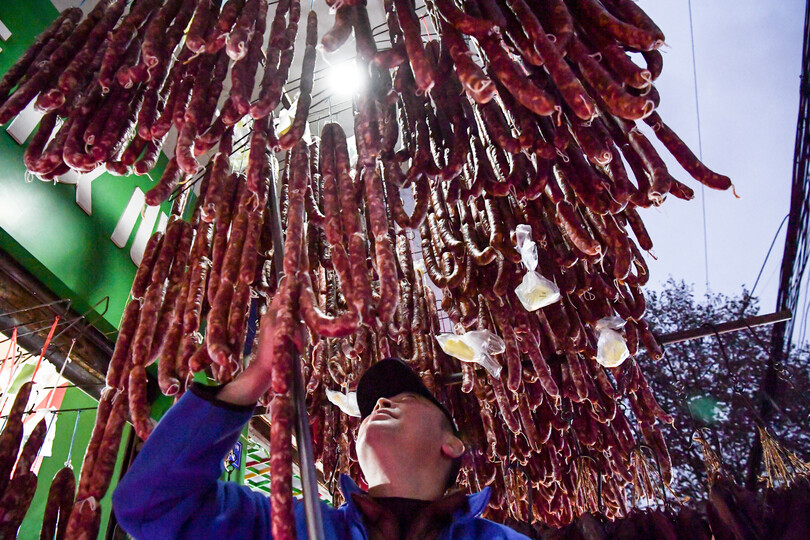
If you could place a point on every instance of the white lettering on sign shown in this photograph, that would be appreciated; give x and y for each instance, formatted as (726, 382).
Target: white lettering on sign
(126, 223)
(144, 232)
(70, 177)
(24, 123)
(5, 33)
(162, 222)
(83, 194)
(21, 128)
(83, 183)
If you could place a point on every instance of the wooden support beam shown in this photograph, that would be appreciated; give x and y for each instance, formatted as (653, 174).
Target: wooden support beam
(19, 291)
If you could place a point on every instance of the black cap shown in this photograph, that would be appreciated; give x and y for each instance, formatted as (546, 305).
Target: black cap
(390, 377)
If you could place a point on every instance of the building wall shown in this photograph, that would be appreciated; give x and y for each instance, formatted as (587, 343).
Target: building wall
(67, 248)
(41, 224)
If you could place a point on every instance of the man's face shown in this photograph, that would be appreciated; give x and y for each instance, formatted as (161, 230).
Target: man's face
(404, 427)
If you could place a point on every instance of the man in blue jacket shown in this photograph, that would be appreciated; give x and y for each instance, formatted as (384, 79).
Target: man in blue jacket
(407, 446)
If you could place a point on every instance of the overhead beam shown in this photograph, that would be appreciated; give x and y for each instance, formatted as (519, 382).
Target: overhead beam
(726, 327)
(20, 291)
(697, 333)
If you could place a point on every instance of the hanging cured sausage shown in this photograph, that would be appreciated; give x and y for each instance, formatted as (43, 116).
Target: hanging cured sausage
(517, 114)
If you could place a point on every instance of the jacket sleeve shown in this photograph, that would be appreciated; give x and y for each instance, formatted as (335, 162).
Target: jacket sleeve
(172, 489)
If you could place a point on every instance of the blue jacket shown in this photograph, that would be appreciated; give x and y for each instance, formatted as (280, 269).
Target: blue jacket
(172, 489)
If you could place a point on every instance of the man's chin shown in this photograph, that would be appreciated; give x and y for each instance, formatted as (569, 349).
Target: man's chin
(380, 437)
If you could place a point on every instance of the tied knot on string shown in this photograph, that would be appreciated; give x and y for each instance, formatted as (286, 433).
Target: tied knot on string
(105, 392)
(91, 500)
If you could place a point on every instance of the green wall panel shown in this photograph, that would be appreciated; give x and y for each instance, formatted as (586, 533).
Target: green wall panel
(74, 399)
(40, 223)
(71, 252)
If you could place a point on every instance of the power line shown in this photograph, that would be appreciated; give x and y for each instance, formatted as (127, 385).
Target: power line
(805, 312)
(700, 146)
(761, 268)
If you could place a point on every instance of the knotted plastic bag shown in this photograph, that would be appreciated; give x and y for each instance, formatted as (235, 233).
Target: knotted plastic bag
(345, 402)
(534, 291)
(611, 347)
(477, 347)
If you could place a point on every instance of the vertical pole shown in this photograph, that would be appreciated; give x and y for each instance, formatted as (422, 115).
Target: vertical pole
(303, 435)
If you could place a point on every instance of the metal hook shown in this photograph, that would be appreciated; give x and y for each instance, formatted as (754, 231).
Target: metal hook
(600, 505)
(106, 300)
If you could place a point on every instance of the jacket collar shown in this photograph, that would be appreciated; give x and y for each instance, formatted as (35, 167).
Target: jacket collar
(477, 501)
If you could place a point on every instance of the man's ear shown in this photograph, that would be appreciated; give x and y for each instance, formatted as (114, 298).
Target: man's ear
(452, 447)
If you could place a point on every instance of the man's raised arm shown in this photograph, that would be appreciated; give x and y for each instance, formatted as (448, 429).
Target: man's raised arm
(172, 488)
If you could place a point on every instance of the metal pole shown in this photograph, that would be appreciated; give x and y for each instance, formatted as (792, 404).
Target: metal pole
(724, 328)
(303, 436)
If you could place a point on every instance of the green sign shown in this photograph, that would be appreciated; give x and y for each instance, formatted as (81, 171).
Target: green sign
(80, 236)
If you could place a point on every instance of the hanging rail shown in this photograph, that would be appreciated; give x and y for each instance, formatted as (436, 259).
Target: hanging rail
(697, 333)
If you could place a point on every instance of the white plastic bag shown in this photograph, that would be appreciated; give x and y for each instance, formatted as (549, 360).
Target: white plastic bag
(345, 402)
(477, 347)
(526, 246)
(534, 291)
(611, 347)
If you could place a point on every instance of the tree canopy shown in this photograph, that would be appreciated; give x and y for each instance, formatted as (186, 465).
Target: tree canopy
(712, 384)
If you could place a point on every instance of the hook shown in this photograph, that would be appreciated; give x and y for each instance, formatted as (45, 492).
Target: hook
(600, 504)
(61, 372)
(529, 490)
(105, 299)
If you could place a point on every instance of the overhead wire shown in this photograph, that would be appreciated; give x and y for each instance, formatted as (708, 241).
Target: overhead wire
(767, 255)
(700, 146)
(805, 312)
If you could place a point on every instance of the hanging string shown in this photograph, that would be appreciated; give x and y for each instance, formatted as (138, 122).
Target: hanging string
(14, 361)
(700, 148)
(73, 438)
(12, 347)
(34, 410)
(52, 393)
(762, 268)
(426, 28)
(51, 422)
(45, 346)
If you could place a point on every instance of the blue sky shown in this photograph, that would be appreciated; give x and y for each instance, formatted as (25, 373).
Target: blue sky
(748, 63)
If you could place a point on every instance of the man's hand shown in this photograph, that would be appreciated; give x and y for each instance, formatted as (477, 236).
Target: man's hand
(252, 383)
